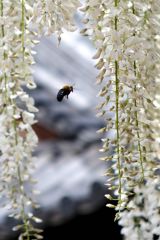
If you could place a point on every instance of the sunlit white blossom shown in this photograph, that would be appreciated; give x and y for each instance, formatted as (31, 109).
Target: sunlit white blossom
(125, 34)
(142, 221)
(21, 24)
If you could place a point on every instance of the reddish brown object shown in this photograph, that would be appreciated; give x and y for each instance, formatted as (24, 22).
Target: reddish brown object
(44, 133)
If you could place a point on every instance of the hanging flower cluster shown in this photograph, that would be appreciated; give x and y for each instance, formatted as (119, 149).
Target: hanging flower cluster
(17, 138)
(54, 16)
(125, 34)
(142, 221)
(20, 26)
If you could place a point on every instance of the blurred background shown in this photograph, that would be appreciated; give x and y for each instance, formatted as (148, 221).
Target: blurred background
(70, 175)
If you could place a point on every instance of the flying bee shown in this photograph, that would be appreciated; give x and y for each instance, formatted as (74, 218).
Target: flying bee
(65, 91)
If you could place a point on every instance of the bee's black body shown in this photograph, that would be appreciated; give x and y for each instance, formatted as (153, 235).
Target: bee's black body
(65, 91)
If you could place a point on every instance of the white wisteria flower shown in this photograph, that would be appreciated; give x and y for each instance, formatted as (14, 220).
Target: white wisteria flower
(142, 221)
(21, 24)
(126, 35)
(54, 16)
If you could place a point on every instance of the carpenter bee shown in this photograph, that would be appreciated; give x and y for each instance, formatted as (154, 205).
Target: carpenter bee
(65, 91)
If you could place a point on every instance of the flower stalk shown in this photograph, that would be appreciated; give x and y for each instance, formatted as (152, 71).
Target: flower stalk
(23, 26)
(126, 36)
(117, 29)
(19, 30)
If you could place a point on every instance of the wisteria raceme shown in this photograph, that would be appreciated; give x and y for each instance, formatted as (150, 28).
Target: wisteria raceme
(54, 16)
(127, 53)
(126, 35)
(142, 221)
(17, 138)
(18, 36)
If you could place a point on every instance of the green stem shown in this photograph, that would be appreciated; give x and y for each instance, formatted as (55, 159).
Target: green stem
(44, 8)
(23, 26)
(116, 3)
(117, 131)
(4, 53)
(137, 132)
(26, 227)
(20, 181)
(133, 9)
(117, 116)
(116, 19)
(2, 26)
(136, 115)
